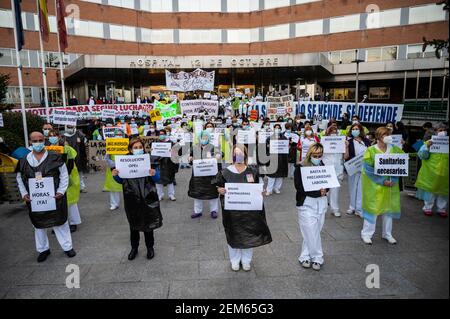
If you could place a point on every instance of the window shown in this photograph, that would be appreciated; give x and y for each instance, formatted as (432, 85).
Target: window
(345, 23)
(242, 5)
(379, 93)
(6, 20)
(156, 5)
(383, 19)
(270, 4)
(242, 35)
(24, 57)
(313, 27)
(342, 94)
(426, 13)
(122, 3)
(13, 95)
(51, 59)
(381, 54)
(338, 57)
(162, 36)
(277, 32)
(200, 36)
(415, 52)
(6, 57)
(88, 28)
(199, 5)
(115, 32)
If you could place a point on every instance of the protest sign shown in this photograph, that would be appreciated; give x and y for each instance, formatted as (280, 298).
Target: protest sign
(263, 136)
(155, 115)
(113, 132)
(96, 155)
(197, 107)
(391, 164)
(161, 149)
(333, 144)
(205, 167)
(279, 146)
(65, 117)
(197, 80)
(159, 125)
(108, 114)
(440, 144)
(167, 111)
(42, 192)
(117, 146)
(243, 196)
(133, 166)
(354, 165)
(295, 138)
(317, 177)
(55, 148)
(246, 137)
(397, 140)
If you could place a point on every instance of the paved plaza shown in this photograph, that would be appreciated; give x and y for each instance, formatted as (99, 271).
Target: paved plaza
(191, 256)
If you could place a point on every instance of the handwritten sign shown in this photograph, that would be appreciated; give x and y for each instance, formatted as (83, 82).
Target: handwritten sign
(117, 146)
(133, 166)
(333, 144)
(391, 164)
(197, 80)
(108, 114)
(397, 140)
(279, 146)
(246, 137)
(263, 136)
(243, 196)
(440, 144)
(316, 177)
(161, 149)
(113, 132)
(354, 165)
(96, 155)
(65, 117)
(155, 115)
(42, 192)
(205, 167)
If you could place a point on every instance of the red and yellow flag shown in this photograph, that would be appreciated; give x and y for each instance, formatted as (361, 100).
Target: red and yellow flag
(43, 19)
(62, 31)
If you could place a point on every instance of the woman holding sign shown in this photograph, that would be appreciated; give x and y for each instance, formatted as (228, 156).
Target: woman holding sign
(309, 138)
(141, 204)
(277, 169)
(244, 229)
(311, 207)
(381, 194)
(202, 186)
(432, 181)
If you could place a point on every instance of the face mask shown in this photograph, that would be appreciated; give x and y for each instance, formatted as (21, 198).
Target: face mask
(333, 134)
(70, 131)
(53, 140)
(239, 158)
(267, 126)
(235, 124)
(45, 132)
(443, 133)
(38, 147)
(145, 123)
(387, 140)
(355, 133)
(308, 133)
(316, 161)
(209, 129)
(162, 137)
(152, 130)
(204, 142)
(99, 137)
(277, 131)
(138, 152)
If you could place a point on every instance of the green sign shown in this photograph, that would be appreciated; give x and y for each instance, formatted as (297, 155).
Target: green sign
(167, 111)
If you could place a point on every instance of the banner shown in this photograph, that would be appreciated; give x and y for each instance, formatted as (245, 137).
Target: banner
(243, 196)
(65, 117)
(280, 106)
(133, 166)
(196, 107)
(197, 80)
(318, 177)
(117, 146)
(354, 165)
(440, 144)
(167, 111)
(205, 167)
(333, 144)
(391, 164)
(96, 155)
(42, 192)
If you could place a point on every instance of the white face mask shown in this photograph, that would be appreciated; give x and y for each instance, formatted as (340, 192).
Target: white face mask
(308, 133)
(387, 140)
(443, 133)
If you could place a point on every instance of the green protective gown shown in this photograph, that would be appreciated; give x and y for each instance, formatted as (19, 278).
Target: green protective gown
(110, 185)
(378, 199)
(433, 174)
(73, 191)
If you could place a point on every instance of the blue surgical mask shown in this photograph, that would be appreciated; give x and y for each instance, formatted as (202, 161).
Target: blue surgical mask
(162, 137)
(355, 133)
(53, 140)
(239, 158)
(204, 142)
(45, 132)
(38, 147)
(316, 161)
(138, 152)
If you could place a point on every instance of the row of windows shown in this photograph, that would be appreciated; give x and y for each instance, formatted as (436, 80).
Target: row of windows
(200, 5)
(388, 18)
(32, 58)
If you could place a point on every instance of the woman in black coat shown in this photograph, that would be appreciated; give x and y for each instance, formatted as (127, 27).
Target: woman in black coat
(141, 204)
(277, 169)
(244, 229)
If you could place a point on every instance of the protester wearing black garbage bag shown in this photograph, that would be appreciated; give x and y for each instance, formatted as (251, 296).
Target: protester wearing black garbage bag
(244, 229)
(40, 164)
(278, 167)
(203, 188)
(141, 204)
(77, 140)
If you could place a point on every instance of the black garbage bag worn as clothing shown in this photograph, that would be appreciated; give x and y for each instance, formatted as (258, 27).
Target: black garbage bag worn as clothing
(281, 159)
(203, 187)
(243, 229)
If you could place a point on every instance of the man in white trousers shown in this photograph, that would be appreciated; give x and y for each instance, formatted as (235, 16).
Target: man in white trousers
(37, 165)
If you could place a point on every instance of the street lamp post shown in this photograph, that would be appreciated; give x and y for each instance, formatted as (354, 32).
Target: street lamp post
(357, 61)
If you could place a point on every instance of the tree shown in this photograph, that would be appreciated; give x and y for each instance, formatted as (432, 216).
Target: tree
(438, 44)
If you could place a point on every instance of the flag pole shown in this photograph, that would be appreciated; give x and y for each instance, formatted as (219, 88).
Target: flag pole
(19, 75)
(61, 59)
(44, 73)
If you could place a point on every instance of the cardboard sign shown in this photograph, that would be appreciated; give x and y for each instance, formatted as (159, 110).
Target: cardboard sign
(333, 144)
(354, 165)
(65, 117)
(108, 114)
(205, 167)
(55, 148)
(440, 144)
(96, 155)
(117, 146)
(391, 164)
(155, 115)
(316, 177)
(133, 166)
(244, 196)
(161, 149)
(42, 192)
(246, 137)
(279, 146)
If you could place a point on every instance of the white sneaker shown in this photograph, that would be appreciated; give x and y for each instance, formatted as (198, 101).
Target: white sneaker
(113, 207)
(359, 214)
(268, 193)
(366, 240)
(276, 191)
(350, 211)
(391, 240)
(235, 267)
(172, 198)
(337, 213)
(246, 267)
(161, 198)
(316, 266)
(305, 264)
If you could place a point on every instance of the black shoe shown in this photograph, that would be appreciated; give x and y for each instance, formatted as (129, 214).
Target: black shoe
(73, 228)
(132, 253)
(53, 232)
(43, 256)
(71, 253)
(150, 253)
